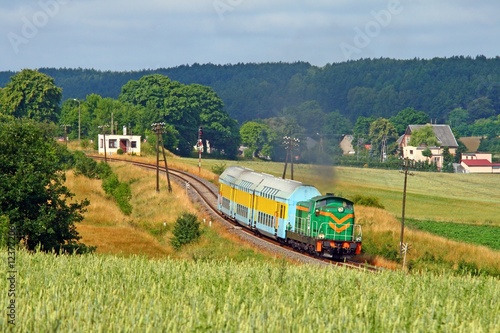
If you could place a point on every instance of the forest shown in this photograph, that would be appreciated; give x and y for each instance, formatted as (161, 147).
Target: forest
(329, 101)
(367, 87)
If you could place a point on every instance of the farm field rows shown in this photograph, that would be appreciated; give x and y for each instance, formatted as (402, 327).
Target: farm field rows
(107, 294)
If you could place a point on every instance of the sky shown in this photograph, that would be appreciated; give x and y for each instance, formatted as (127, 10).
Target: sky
(128, 35)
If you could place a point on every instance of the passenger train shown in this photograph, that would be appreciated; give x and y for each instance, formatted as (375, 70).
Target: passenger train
(291, 212)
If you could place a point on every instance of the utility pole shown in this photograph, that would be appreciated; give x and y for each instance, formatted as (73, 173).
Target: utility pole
(66, 133)
(406, 165)
(103, 128)
(79, 118)
(289, 143)
(159, 129)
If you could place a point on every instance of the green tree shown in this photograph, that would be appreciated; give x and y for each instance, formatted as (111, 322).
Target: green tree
(408, 116)
(258, 137)
(32, 191)
(424, 136)
(185, 107)
(31, 94)
(382, 131)
(481, 107)
(186, 230)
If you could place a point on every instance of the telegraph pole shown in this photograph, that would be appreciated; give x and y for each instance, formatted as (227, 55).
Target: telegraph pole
(406, 165)
(66, 133)
(79, 118)
(159, 129)
(103, 128)
(289, 143)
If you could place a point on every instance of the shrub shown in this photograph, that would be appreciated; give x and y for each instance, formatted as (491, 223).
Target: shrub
(84, 165)
(119, 151)
(123, 194)
(369, 201)
(218, 169)
(110, 183)
(186, 230)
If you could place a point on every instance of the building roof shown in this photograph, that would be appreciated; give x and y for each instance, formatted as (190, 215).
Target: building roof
(477, 163)
(443, 134)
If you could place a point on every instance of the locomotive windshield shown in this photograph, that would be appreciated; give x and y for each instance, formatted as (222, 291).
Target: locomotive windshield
(335, 202)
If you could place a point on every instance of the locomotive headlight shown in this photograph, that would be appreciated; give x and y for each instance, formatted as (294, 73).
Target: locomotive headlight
(340, 209)
(321, 236)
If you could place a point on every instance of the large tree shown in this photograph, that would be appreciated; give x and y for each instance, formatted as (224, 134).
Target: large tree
(33, 95)
(382, 132)
(32, 191)
(408, 116)
(424, 136)
(258, 137)
(185, 107)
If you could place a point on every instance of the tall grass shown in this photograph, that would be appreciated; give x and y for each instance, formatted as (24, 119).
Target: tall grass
(95, 293)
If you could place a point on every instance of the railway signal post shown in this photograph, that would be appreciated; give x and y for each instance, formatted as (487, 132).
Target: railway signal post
(199, 146)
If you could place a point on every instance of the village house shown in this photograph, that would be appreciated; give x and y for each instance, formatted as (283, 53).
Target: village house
(110, 143)
(445, 139)
(478, 163)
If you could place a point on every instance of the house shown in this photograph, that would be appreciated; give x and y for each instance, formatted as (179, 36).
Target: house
(346, 145)
(478, 163)
(110, 143)
(445, 139)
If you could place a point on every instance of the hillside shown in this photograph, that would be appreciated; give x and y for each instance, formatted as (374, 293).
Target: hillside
(367, 87)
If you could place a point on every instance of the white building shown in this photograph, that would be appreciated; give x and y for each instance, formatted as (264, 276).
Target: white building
(110, 143)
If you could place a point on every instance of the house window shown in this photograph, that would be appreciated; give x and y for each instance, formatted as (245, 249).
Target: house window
(411, 151)
(133, 144)
(112, 143)
(101, 143)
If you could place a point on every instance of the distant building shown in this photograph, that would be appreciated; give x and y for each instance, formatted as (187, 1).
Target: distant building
(346, 145)
(129, 144)
(478, 163)
(445, 139)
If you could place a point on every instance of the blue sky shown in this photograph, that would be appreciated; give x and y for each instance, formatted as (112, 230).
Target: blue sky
(134, 35)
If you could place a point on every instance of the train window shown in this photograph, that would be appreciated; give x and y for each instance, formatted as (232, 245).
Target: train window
(321, 203)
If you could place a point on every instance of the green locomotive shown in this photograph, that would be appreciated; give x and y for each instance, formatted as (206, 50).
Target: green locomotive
(324, 225)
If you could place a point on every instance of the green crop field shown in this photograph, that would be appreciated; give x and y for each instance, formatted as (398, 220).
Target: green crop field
(95, 293)
(477, 234)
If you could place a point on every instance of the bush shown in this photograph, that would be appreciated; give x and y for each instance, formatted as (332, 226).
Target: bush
(368, 201)
(110, 183)
(218, 169)
(186, 230)
(123, 194)
(84, 165)
(119, 151)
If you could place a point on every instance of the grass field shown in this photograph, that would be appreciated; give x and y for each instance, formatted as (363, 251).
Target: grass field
(148, 229)
(464, 198)
(96, 293)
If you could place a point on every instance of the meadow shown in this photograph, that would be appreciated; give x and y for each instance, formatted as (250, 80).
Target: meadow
(102, 293)
(148, 229)
(461, 198)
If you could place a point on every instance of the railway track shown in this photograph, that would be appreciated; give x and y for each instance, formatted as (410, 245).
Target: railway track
(207, 194)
